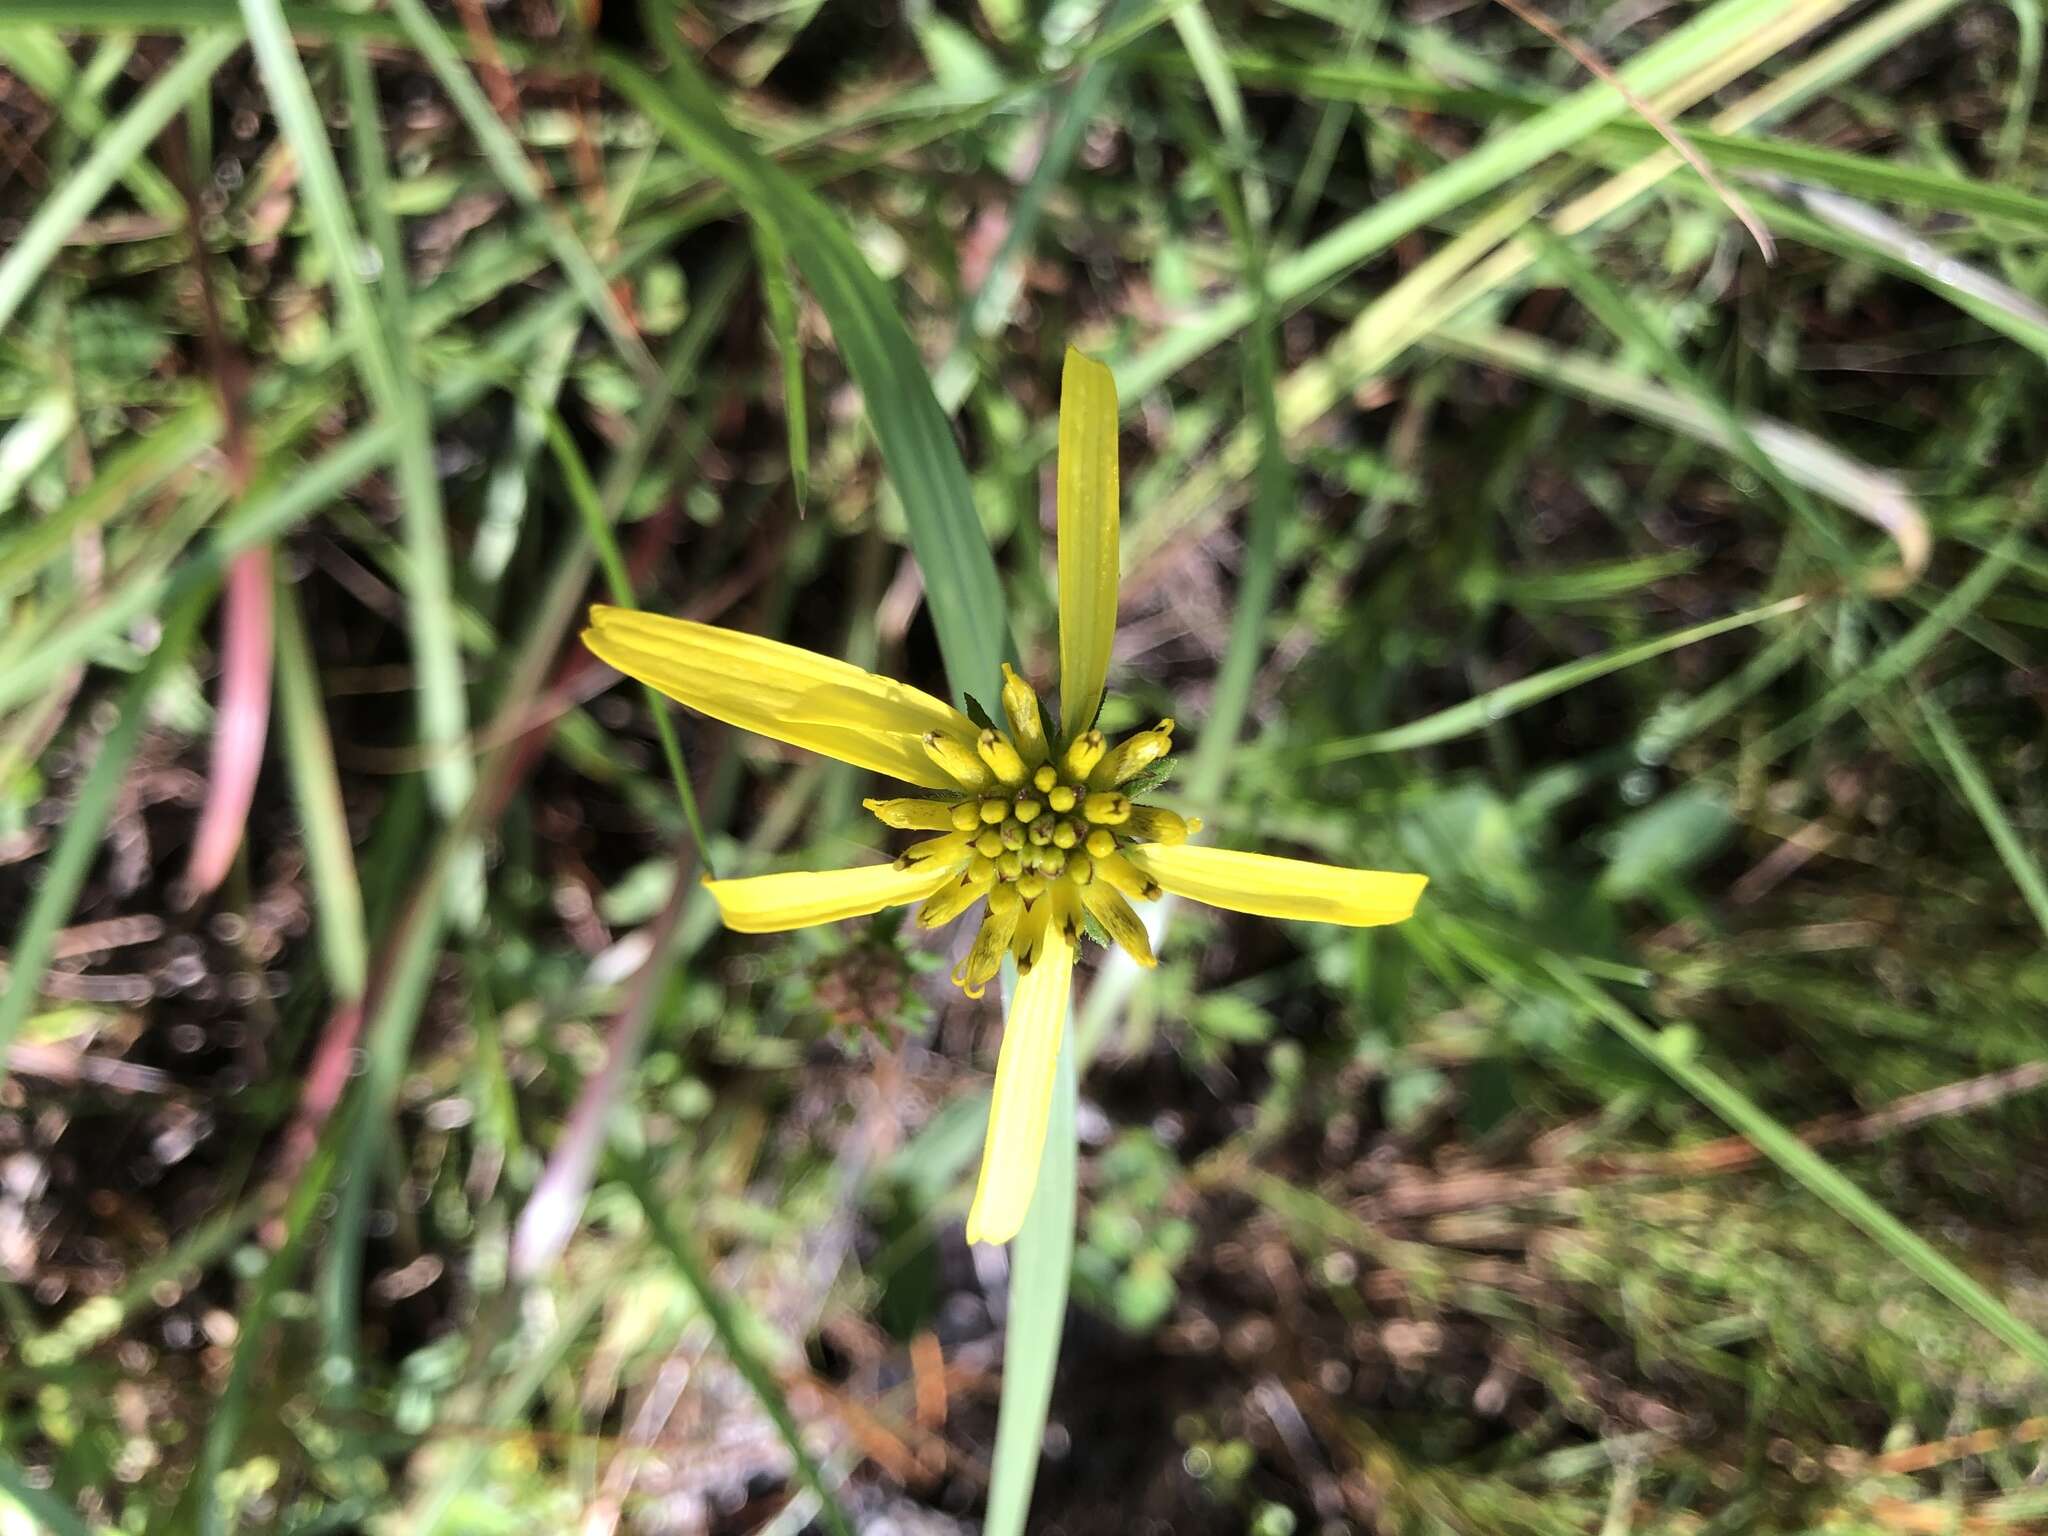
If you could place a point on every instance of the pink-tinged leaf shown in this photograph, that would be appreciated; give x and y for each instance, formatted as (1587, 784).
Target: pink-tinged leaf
(241, 722)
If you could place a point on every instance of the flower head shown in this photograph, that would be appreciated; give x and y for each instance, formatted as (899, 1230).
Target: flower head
(1039, 829)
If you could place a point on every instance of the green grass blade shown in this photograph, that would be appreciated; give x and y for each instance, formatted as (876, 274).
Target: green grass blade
(1041, 1267)
(916, 439)
(323, 817)
(725, 1322)
(51, 1515)
(393, 389)
(78, 845)
(779, 294)
(2019, 859)
(112, 155)
(1819, 1176)
(1498, 703)
(1492, 164)
(509, 163)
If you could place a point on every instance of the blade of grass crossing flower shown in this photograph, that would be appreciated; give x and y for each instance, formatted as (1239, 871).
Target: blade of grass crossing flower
(1820, 1177)
(113, 153)
(725, 1322)
(779, 294)
(1090, 536)
(323, 821)
(393, 389)
(1498, 703)
(78, 844)
(1041, 1269)
(916, 439)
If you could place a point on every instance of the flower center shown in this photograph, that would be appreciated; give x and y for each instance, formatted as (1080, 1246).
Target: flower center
(1040, 832)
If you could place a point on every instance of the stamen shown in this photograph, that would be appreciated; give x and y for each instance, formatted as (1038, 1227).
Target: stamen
(1154, 825)
(957, 761)
(953, 846)
(1084, 753)
(1020, 703)
(1134, 755)
(1005, 908)
(1001, 757)
(951, 899)
(1107, 808)
(1108, 907)
(1121, 873)
(913, 815)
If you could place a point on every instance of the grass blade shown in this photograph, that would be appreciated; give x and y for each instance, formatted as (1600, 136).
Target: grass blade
(726, 1324)
(1813, 1171)
(916, 439)
(1041, 1261)
(393, 389)
(111, 157)
(72, 859)
(1498, 703)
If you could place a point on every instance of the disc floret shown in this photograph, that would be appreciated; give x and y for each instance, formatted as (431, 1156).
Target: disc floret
(1035, 832)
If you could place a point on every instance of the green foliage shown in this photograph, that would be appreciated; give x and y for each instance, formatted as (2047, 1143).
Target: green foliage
(1491, 510)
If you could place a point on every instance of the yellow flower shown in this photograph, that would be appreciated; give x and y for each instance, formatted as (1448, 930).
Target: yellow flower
(1039, 827)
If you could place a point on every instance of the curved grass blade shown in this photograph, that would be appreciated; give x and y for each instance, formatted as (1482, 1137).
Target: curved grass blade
(725, 1323)
(71, 861)
(1818, 1175)
(111, 156)
(395, 391)
(916, 439)
(1498, 703)
(1041, 1261)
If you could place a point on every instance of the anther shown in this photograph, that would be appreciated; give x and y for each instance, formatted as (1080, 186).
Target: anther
(1134, 755)
(913, 815)
(1020, 703)
(1107, 808)
(1154, 825)
(956, 760)
(1001, 757)
(1084, 753)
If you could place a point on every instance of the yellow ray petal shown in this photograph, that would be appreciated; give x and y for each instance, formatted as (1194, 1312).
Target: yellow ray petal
(803, 898)
(782, 691)
(1088, 533)
(1023, 1096)
(1272, 887)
